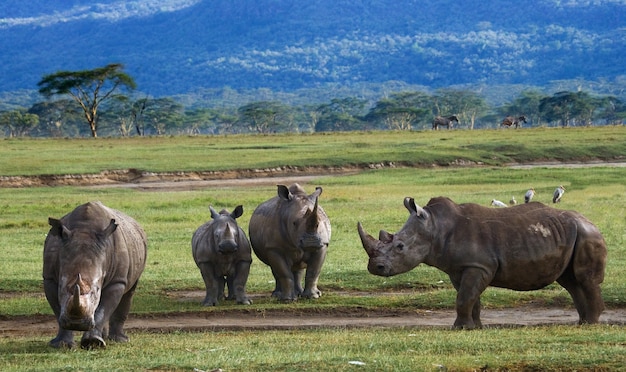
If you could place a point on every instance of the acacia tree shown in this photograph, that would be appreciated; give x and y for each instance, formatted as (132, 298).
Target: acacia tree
(89, 88)
(402, 110)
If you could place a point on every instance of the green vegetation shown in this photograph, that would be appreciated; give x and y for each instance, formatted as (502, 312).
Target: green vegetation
(373, 197)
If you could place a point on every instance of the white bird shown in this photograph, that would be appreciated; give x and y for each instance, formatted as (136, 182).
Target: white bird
(558, 194)
(512, 201)
(529, 195)
(497, 203)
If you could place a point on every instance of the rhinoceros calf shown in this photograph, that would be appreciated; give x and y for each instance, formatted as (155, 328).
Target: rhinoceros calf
(524, 248)
(291, 233)
(223, 255)
(92, 260)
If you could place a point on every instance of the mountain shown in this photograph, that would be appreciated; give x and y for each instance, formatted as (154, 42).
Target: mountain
(175, 47)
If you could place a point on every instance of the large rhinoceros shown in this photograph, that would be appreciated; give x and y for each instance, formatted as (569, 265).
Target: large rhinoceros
(92, 260)
(524, 248)
(223, 255)
(291, 233)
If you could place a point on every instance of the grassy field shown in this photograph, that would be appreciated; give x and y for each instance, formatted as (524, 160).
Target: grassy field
(373, 197)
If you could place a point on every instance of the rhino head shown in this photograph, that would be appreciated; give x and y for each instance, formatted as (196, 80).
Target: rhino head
(82, 271)
(225, 230)
(306, 222)
(393, 254)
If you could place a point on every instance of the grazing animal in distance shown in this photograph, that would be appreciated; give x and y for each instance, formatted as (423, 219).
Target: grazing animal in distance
(529, 195)
(290, 233)
(512, 201)
(535, 247)
(222, 252)
(512, 120)
(558, 194)
(441, 121)
(92, 260)
(497, 203)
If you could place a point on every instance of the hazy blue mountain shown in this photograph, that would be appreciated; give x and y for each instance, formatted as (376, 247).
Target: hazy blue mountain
(179, 46)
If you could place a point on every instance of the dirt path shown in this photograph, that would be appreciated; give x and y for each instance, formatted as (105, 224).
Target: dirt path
(249, 318)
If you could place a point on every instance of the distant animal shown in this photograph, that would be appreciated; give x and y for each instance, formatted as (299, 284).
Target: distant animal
(497, 203)
(92, 260)
(512, 201)
(558, 194)
(512, 120)
(525, 247)
(222, 252)
(290, 233)
(529, 195)
(441, 121)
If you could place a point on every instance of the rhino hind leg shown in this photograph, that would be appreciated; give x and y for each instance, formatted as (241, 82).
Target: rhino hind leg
(586, 296)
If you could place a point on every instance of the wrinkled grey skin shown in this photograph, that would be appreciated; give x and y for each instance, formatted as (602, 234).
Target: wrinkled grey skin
(222, 253)
(92, 260)
(291, 233)
(441, 121)
(524, 247)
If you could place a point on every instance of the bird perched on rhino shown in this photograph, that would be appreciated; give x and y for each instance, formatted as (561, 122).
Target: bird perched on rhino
(497, 203)
(529, 195)
(558, 194)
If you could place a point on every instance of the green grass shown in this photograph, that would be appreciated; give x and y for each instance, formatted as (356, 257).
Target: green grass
(373, 197)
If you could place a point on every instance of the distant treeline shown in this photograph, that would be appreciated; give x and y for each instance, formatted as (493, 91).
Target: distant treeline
(402, 110)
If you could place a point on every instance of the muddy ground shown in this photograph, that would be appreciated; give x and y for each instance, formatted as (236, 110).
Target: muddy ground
(248, 317)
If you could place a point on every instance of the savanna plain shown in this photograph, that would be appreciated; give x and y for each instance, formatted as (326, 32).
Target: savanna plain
(365, 177)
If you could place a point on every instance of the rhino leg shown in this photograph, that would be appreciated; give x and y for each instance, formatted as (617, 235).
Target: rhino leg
(314, 267)
(238, 287)
(64, 337)
(470, 285)
(297, 281)
(119, 316)
(211, 283)
(110, 299)
(586, 296)
(281, 269)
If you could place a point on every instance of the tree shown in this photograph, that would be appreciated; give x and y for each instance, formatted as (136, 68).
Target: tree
(89, 88)
(465, 104)
(527, 104)
(261, 117)
(340, 114)
(19, 122)
(401, 110)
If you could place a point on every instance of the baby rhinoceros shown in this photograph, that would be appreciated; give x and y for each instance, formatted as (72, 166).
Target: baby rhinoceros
(291, 233)
(92, 260)
(223, 255)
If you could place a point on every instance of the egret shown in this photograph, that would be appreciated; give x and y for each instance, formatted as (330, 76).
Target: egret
(497, 203)
(558, 194)
(529, 195)
(512, 201)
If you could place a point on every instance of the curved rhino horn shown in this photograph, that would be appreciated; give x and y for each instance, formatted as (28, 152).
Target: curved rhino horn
(228, 233)
(385, 237)
(312, 219)
(76, 294)
(368, 241)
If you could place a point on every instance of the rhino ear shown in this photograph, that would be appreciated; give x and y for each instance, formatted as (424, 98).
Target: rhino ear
(237, 212)
(409, 203)
(109, 229)
(58, 229)
(283, 192)
(214, 213)
(317, 193)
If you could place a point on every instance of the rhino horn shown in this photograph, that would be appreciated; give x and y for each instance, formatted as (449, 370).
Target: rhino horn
(368, 241)
(385, 237)
(312, 219)
(228, 233)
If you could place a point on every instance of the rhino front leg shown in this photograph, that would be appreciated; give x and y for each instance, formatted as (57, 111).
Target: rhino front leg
(119, 316)
(239, 283)
(64, 337)
(211, 284)
(109, 300)
(285, 285)
(471, 285)
(313, 270)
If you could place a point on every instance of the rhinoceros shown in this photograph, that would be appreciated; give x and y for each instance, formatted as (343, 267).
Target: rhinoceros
(223, 255)
(92, 260)
(291, 233)
(525, 247)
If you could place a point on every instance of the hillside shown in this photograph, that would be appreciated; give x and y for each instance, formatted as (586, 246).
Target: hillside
(178, 46)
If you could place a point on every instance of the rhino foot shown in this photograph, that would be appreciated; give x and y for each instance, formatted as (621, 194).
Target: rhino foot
(121, 337)
(92, 340)
(244, 301)
(316, 293)
(60, 343)
(209, 302)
